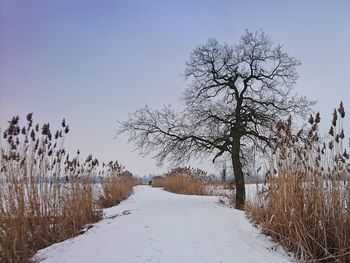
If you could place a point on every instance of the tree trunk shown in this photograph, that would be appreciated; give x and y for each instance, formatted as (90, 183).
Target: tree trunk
(239, 177)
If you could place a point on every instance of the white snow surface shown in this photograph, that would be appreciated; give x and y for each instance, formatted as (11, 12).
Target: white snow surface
(157, 226)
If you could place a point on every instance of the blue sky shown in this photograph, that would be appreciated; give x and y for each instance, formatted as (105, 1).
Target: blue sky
(93, 62)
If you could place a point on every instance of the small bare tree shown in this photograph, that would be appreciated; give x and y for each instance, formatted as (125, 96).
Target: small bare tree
(236, 94)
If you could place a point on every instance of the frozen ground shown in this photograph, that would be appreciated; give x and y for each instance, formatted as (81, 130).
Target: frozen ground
(157, 226)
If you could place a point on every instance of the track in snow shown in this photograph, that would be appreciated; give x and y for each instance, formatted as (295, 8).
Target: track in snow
(157, 226)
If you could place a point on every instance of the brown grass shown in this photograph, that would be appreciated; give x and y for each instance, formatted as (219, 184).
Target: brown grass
(158, 181)
(28, 226)
(305, 205)
(115, 191)
(181, 184)
(117, 185)
(45, 196)
(182, 181)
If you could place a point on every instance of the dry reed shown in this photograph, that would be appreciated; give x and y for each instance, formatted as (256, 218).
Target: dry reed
(45, 196)
(117, 185)
(305, 204)
(183, 181)
(158, 181)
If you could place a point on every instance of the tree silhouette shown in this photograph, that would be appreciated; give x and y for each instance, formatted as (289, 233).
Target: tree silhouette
(236, 94)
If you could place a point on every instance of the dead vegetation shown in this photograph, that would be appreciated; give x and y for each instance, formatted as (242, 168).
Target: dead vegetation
(117, 185)
(183, 181)
(46, 196)
(305, 204)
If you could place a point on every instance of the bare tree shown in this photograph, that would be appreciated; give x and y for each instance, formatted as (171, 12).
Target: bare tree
(236, 94)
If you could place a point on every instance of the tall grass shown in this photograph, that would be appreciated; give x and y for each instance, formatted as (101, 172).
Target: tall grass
(45, 196)
(306, 201)
(183, 181)
(117, 185)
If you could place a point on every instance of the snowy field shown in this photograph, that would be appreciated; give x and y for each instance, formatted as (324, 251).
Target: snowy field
(252, 191)
(157, 226)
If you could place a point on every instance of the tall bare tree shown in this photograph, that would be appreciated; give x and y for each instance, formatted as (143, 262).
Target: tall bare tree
(235, 94)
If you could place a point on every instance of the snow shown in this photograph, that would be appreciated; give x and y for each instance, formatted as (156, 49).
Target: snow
(157, 226)
(252, 191)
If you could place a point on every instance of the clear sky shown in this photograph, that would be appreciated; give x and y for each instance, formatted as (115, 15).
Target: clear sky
(93, 62)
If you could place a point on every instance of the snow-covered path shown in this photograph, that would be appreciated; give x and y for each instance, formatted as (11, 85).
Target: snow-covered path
(157, 226)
